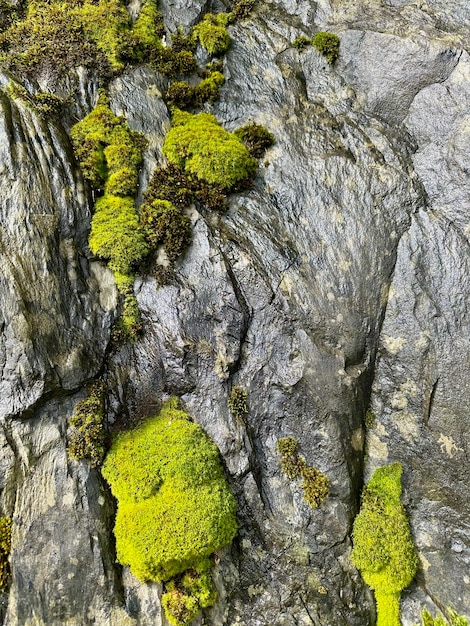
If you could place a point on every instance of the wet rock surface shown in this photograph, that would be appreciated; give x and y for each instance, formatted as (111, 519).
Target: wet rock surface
(337, 281)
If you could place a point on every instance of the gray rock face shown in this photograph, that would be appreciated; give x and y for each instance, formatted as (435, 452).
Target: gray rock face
(337, 281)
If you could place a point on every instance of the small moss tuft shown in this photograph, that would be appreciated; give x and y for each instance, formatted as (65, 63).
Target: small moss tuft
(301, 43)
(370, 418)
(328, 45)
(453, 619)
(237, 401)
(315, 484)
(88, 435)
(5, 548)
(242, 9)
(212, 32)
(256, 138)
(185, 595)
(383, 549)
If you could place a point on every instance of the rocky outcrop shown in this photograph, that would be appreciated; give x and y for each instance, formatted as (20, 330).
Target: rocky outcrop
(336, 282)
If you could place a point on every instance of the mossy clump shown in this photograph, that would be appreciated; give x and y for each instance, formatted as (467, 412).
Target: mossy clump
(383, 549)
(175, 507)
(166, 225)
(237, 401)
(5, 548)
(454, 619)
(242, 9)
(256, 138)
(183, 96)
(186, 595)
(41, 101)
(199, 145)
(301, 43)
(315, 484)
(328, 45)
(212, 32)
(88, 435)
(370, 418)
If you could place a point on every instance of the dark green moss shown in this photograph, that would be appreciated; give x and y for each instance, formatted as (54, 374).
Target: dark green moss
(237, 401)
(328, 45)
(301, 43)
(88, 434)
(370, 418)
(256, 138)
(166, 225)
(43, 102)
(5, 547)
(242, 9)
(315, 484)
(183, 96)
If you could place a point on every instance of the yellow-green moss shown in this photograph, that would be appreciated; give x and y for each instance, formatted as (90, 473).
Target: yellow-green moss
(315, 484)
(88, 435)
(237, 401)
(174, 505)
(382, 546)
(453, 619)
(166, 225)
(198, 144)
(5, 547)
(212, 32)
(185, 595)
(328, 45)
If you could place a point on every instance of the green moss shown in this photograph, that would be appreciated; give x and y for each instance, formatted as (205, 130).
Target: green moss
(256, 138)
(237, 401)
(301, 43)
(41, 101)
(187, 594)
(242, 9)
(180, 608)
(315, 484)
(212, 32)
(148, 28)
(174, 505)
(183, 96)
(5, 547)
(199, 145)
(165, 224)
(88, 435)
(383, 549)
(370, 418)
(454, 619)
(328, 45)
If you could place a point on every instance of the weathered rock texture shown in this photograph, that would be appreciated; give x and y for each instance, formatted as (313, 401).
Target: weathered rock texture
(341, 279)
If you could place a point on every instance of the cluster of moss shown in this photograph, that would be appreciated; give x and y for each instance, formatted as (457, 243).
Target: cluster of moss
(56, 36)
(110, 155)
(164, 224)
(199, 145)
(454, 619)
(183, 96)
(186, 595)
(43, 102)
(382, 546)
(175, 507)
(242, 9)
(315, 484)
(5, 547)
(370, 418)
(212, 32)
(88, 435)
(237, 401)
(328, 45)
(256, 138)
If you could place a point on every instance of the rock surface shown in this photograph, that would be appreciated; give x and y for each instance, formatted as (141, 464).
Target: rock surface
(337, 281)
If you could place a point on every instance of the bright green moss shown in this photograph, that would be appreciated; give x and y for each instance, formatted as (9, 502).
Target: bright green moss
(383, 549)
(454, 619)
(185, 596)
(199, 145)
(212, 32)
(315, 484)
(87, 439)
(328, 45)
(174, 505)
(5, 547)
(301, 43)
(183, 96)
(148, 27)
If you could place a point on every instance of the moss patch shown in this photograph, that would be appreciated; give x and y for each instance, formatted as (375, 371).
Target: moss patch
(166, 225)
(174, 505)
(199, 145)
(315, 484)
(5, 547)
(88, 434)
(383, 549)
(454, 619)
(212, 32)
(237, 401)
(328, 45)
(256, 138)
